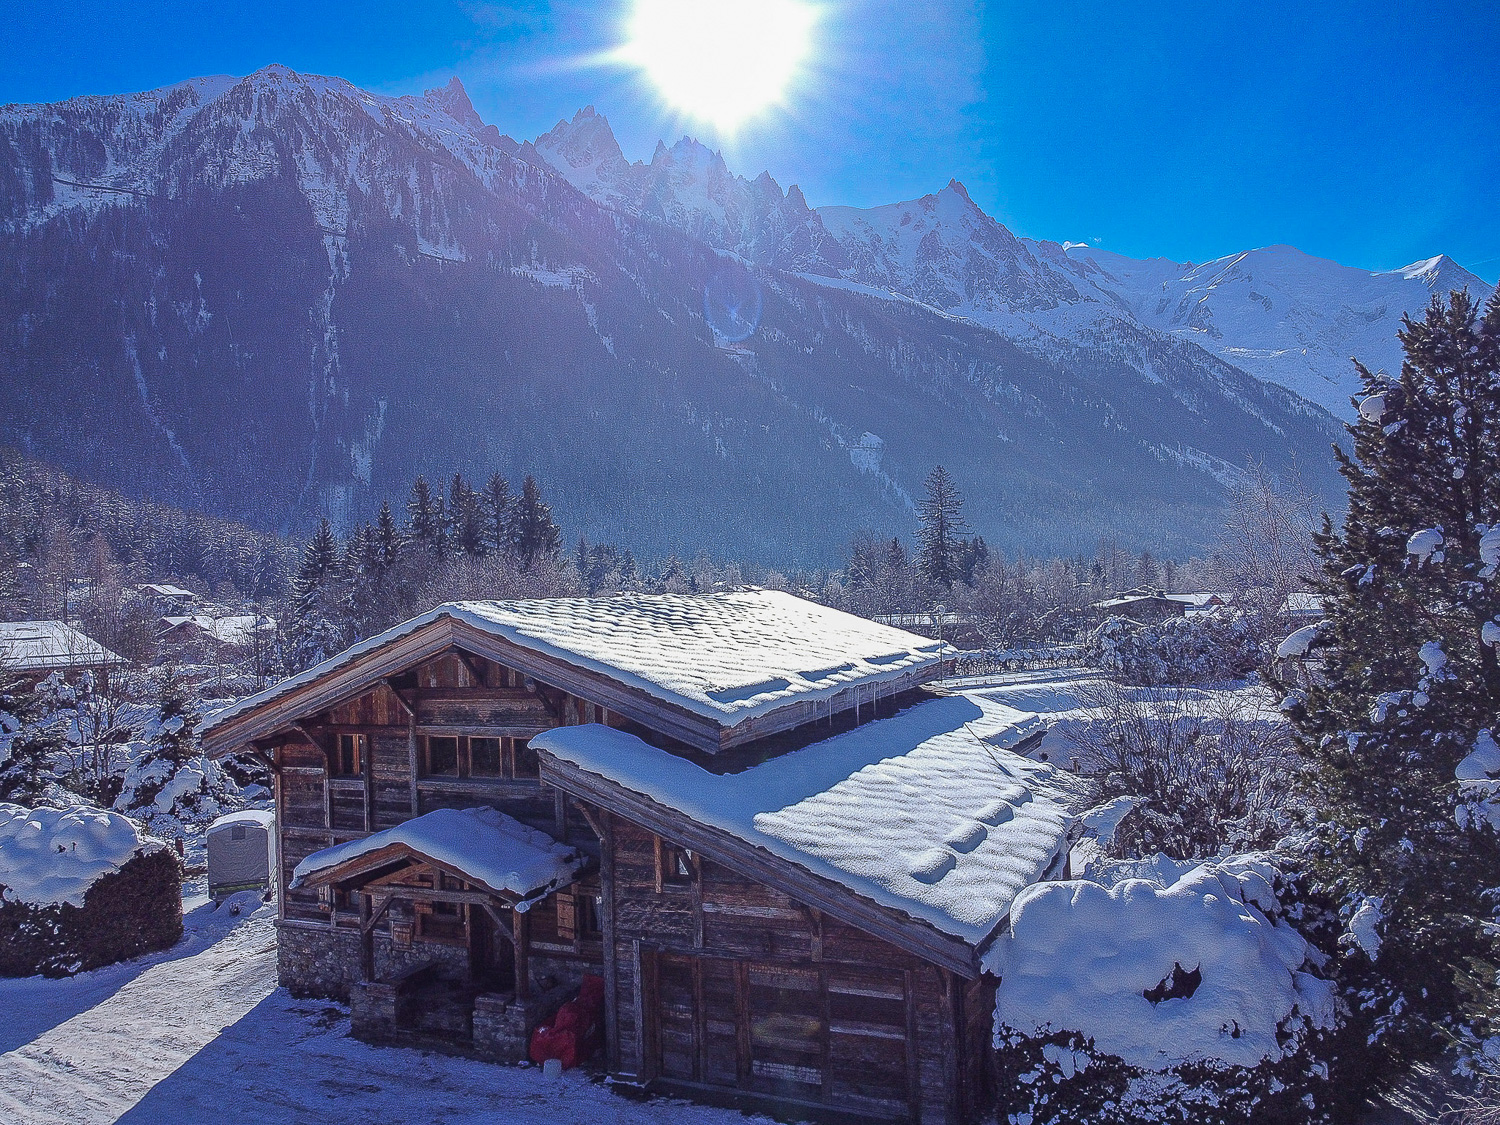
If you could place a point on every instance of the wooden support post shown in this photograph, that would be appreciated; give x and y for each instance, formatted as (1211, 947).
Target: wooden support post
(367, 767)
(913, 1059)
(560, 814)
(696, 894)
(742, 1023)
(815, 917)
(827, 1013)
(606, 831)
(366, 940)
(411, 753)
(523, 953)
(700, 1022)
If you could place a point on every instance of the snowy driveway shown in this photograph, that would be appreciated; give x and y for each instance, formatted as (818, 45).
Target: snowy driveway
(201, 1036)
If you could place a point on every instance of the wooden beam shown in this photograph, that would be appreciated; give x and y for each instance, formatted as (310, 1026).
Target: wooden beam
(695, 894)
(522, 924)
(913, 1057)
(471, 662)
(409, 708)
(502, 927)
(426, 894)
(589, 818)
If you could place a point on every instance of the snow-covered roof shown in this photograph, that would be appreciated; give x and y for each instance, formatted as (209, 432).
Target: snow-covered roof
(53, 856)
(488, 847)
(927, 812)
(1303, 604)
(728, 656)
(235, 630)
(165, 590)
(37, 645)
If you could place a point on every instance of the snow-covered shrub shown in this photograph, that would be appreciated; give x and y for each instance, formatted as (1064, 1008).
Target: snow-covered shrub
(1209, 769)
(80, 888)
(1202, 649)
(1186, 999)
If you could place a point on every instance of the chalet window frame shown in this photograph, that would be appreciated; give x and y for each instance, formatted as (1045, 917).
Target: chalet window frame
(510, 752)
(676, 869)
(347, 758)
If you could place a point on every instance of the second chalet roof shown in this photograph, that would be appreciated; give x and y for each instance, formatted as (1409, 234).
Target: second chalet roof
(727, 656)
(487, 847)
(928, 812)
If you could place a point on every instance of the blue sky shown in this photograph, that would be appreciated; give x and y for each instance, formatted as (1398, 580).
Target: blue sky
(1362, 132)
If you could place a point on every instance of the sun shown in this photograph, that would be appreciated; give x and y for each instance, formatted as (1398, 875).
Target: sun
(721, 61)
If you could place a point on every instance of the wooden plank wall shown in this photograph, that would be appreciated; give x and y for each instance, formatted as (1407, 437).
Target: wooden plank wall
(450, 695)
(698, 965)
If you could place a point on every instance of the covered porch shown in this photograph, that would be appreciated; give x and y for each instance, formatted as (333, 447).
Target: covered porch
(444, 905)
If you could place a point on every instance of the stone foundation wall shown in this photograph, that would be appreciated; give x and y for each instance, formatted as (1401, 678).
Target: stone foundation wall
(392, 961)
(317, 960)
(503, 1024)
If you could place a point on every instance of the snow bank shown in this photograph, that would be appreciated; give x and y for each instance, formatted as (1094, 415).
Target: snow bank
(484, 844)
(53, 856)
(1161, 975)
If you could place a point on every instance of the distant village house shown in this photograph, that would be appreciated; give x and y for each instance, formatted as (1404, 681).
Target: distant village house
(34, 650)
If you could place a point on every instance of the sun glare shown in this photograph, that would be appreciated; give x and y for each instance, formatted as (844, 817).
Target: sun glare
(721, 61)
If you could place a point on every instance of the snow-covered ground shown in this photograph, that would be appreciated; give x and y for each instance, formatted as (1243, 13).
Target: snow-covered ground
(201, 1034)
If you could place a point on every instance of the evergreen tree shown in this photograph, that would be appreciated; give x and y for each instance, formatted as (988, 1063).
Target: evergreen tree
(317, 599)
(424, 517)
(36, 738)
(466, 520)
(941, 527)
(176, 739)
(496, 504)
(387, 536)
(1399, 719)
(536, 536)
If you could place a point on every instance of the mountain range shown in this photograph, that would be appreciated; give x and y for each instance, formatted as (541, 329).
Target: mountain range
(280, 297)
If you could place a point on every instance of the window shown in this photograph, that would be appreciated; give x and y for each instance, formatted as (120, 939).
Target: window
(348, 761)
(674, 866)
(525, 760)
(480, 758)
(484, 757)
(442, 756)
(587, 919)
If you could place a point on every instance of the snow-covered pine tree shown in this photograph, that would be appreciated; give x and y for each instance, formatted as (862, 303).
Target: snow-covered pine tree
(1407, 698)
(176, 738)
(497, 504)
(387, 536)
(941, 527)
(466, 523)
(36, 738)
(318, 607)
(536, 536)
(424, 517)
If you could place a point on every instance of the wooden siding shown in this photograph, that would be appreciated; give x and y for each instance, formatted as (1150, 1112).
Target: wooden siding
(725, 982)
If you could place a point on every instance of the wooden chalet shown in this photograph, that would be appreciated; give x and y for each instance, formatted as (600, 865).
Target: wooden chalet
(740, 810)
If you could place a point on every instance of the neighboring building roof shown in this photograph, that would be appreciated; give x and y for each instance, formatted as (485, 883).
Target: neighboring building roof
(236, 630)
(165, 590)
(927, 813)
(34, 646)
(1303, 604)
(487, 847)
(728, 657)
